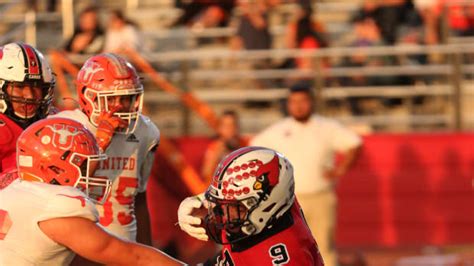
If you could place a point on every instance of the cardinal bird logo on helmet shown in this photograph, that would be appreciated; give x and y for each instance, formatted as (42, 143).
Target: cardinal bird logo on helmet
(267, 176)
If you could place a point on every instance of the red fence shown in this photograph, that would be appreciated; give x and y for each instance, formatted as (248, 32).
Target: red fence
(404, 190)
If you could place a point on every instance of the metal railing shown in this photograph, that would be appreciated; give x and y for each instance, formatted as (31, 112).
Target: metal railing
(452, 69)
(23, 24)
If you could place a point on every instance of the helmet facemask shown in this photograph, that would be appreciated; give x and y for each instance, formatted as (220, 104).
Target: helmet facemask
(96, 188)
(43, 103)
(131, 101)
(226, 216)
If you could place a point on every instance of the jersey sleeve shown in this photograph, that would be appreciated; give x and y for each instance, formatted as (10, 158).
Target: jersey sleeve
(7, 147)
(69, 202)
(343, 138)
(153, 134)
(152, 143)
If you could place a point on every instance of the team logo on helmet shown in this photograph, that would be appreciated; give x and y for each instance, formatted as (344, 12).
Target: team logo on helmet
(63, 136)
(89, 70)
(267, 176)
(237, 179)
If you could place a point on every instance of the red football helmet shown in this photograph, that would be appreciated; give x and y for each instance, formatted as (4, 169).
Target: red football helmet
(251, 189)
(106, 80)
(20, 65)
(61, 151)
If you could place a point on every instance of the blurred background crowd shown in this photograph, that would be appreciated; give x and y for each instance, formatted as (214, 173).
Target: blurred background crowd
(378, 66)
(216, 49)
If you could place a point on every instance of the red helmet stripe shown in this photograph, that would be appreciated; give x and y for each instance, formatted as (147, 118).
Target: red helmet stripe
(32, 60)
(238, 154)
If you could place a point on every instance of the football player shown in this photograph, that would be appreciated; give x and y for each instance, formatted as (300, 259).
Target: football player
(110, 96)
(46, 209)
(253, 212)
(26, 94)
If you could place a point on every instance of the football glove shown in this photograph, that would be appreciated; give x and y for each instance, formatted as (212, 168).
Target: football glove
(107, 124)
(187, 222)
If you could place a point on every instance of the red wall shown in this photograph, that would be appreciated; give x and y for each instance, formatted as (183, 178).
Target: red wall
(404, 190)
(409, 190)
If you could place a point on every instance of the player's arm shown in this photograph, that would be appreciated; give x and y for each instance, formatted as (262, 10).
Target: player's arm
(348, 144)
(349, 157)
(87, 239)
(143, 219)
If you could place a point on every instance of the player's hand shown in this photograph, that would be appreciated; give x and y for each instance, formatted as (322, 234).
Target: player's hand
(187, 222)
(107, 124)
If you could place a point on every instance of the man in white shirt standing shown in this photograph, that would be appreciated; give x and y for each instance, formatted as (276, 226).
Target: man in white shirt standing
(311, 142)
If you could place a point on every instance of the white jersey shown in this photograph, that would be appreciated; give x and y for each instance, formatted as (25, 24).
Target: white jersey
(23, 205)
(128, 166)
(310, 147)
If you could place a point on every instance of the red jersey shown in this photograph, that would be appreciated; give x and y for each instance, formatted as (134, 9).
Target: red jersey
(9, 133)
(288, 242)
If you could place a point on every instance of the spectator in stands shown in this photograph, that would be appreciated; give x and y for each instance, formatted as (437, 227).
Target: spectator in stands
(305, 30)
(310, 142)
(389, 15)
(367, 34)
(121, 34)
(227, 140)
(304, 33)
(430, 22)
(88, 37)
(253, 30)
(205, 13)
(253, 34)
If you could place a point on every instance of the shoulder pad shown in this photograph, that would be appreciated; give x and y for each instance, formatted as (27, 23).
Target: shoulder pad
(150, 129)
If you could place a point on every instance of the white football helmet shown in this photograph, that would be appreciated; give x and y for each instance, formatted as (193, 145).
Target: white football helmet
(22, 64)
(251, 188)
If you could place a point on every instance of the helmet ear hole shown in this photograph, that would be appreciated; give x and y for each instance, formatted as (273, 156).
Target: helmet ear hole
(56, 169)
(269, 208)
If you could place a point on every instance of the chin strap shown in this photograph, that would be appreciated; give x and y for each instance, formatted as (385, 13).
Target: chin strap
(22, 122)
